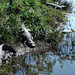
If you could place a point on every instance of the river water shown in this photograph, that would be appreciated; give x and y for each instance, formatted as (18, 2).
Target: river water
(53, 62)
(71, 17)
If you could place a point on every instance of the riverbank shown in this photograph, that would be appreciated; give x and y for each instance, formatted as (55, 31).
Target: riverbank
(40, 46)
(30, 65)
(44, 22)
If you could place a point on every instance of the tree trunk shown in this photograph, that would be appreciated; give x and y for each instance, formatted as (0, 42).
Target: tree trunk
(11, 4)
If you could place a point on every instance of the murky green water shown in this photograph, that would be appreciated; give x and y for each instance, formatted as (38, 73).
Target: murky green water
(61, 62)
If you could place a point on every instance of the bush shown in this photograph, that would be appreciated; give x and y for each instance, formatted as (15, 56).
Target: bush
(9, 29)
(41, 19)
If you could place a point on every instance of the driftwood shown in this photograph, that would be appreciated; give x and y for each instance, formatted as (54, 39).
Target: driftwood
(67, 31)
(56, 6)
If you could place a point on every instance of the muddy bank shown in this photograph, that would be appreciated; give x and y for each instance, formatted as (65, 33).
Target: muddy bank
(6, 56)
(40, 46)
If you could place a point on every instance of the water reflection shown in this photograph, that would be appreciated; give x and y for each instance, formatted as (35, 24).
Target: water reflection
(71, 16)
(48, 63)
(67, 46)
(71, 22)
(35, 64)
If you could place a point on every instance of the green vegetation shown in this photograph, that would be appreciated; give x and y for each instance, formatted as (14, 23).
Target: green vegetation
(42, 20)
(11, 66)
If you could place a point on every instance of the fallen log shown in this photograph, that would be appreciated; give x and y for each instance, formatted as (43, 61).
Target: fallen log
(56, 6)
(67, 31)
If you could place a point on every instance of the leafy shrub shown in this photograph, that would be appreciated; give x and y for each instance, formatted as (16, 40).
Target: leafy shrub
(41, 19)
(9, 29)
